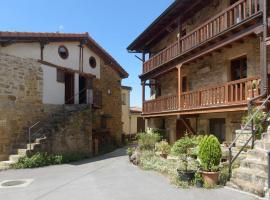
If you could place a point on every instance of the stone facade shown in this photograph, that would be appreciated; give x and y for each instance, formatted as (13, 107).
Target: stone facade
(21, 106)
(110, 86)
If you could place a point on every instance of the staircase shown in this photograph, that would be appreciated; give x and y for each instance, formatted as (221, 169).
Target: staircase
(252, 175)
(39, 137)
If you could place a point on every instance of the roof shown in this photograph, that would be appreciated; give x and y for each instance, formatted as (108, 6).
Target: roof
(54, 37)
(126, 87)
(135, 110)
(157, 29)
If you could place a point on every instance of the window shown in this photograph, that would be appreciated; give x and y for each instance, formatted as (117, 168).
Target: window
(124, 100)
(92, 62)
(60, 77)
(239, 68)
(184, 84)
(63, 52)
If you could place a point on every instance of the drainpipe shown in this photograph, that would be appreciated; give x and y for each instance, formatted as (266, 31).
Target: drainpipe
(263, 60)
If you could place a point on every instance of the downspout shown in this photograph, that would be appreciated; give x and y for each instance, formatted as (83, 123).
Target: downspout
(263, 61)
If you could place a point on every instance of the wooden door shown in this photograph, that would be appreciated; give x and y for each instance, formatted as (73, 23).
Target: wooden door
(82, 90)
(217, 128)
(140, 125)
(69, 88)
(181, 128)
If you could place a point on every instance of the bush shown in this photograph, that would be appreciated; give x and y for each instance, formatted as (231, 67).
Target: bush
(210, 153)
(130, 151)
(45, 159)
(183, 145)
(161, 133)
(163, 147)
(147, 141)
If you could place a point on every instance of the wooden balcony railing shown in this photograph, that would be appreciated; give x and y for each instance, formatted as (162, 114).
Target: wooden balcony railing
(169, 103)
(228, 18)
(230, 93)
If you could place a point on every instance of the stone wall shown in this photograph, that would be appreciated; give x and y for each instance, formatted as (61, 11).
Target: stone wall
(169, 83)
(21, 106)
(110, 85)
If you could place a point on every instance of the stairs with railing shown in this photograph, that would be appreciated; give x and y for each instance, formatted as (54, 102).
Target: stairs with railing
(252, 174)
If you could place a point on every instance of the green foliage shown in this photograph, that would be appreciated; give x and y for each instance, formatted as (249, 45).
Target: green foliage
(182, 146)
(130, 151)
(147, 141)
(198, 177)
(163, 147)
(161, 133)
(210, 153)
(224, 176)
(45, 159)
(257, 120)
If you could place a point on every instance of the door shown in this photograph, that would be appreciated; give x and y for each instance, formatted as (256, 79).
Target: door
(181, 128)
(69, 88)
(140, 125)
(217, 128)
(82, 90)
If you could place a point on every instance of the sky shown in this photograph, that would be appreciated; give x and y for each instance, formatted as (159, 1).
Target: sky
(114, 24)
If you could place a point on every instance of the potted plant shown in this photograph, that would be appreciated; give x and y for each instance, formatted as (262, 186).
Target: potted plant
(198, 180)
(164, 148)
(182, 148)
(210, 155)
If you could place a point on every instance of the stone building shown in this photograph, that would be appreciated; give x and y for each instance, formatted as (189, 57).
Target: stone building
(203, 65)
(66, 82)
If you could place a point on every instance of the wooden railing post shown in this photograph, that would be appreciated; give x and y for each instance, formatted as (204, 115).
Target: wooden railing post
(179, 85)
(143, 94)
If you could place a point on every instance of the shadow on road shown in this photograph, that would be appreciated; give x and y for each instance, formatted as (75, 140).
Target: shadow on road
(117, 153)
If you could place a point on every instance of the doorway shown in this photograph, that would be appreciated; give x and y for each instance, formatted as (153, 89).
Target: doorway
(217, 128)
(181, 127)
(69, 88)
(82, 90)
(140, 125)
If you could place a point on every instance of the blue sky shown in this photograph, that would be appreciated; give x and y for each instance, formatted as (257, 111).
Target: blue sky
(114, 24)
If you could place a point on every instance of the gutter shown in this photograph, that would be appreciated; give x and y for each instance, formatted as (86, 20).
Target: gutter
(263, 61)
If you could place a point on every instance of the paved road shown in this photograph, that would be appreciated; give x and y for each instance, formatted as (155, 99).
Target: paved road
(110, 177)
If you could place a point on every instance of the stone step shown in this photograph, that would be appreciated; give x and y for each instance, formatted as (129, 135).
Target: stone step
(5, 164)
(254, 164)
(23, 152)
(257, 189)
(259, 154)
(261, 144)
(254, 176)
(266, 136)
(15, 158)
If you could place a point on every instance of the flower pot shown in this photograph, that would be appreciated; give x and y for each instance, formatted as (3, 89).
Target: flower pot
(186, 176)
(164, 156)
(211, 178)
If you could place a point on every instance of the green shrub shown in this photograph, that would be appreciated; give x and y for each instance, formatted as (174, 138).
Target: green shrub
(147, 141)
(183, 145)
(210, 153)
(161, 133)
(130, 151)
(45, 159)
(163, 147)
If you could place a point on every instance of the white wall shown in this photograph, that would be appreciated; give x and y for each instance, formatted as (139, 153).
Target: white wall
(53, 91)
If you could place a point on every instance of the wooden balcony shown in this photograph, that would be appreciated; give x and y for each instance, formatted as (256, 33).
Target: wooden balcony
(237, 14)
(235, 93)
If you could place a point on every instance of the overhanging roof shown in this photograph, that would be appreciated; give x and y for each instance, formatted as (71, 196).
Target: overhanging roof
(9, 37)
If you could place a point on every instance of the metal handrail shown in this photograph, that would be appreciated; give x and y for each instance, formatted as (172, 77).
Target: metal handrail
(30, 133)
(76, 94)
(231, 158)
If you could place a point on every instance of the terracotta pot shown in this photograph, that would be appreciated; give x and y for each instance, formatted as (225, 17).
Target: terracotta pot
(211, 178)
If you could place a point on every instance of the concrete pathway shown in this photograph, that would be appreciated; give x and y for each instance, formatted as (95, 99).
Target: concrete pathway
(109, 177)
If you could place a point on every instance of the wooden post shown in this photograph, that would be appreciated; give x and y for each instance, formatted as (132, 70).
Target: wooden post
(179, 86)
(143, 94)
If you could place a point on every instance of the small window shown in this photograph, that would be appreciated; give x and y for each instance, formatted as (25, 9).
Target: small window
(60, 76)
(239, 68)
(124, 99)
(63, 52)
(92, 62)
